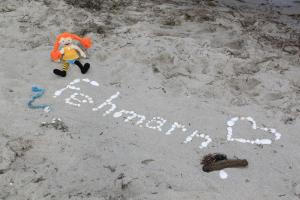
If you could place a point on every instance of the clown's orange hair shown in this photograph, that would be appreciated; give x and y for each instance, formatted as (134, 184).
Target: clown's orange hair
(85, 42)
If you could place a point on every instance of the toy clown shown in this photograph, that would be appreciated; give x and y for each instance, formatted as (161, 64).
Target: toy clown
(69, 53)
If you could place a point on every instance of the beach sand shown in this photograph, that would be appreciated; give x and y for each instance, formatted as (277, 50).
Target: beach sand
(197, 63)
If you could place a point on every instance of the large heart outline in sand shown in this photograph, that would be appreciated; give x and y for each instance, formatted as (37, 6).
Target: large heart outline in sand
(232, 122)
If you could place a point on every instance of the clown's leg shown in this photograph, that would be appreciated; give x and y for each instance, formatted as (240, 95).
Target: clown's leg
(63, 72)
(83, 68)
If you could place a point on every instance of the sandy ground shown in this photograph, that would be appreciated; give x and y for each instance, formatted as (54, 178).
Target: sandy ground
(197, 63)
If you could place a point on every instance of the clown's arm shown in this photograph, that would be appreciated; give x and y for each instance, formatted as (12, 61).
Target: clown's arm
(80, 51)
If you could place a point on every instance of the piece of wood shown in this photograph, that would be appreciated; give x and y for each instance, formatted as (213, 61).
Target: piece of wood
(219, 165)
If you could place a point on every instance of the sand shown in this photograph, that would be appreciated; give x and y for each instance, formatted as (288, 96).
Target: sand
(185, 68)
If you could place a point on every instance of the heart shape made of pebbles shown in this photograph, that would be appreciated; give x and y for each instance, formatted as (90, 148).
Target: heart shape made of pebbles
(232, 122)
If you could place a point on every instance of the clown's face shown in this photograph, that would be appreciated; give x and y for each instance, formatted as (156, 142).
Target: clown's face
(65, 41)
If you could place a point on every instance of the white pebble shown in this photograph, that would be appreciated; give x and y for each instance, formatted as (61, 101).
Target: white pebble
(235, 119)
(277, 136)
(223, 174)
(230, 123)
(58, 92)
(47, 109)
(94, 83)
(250, 119)
(265, 141)
(229, 130)
(117, 114)
(75, 81)
(273, 130)
(188, 139)
(240, 140)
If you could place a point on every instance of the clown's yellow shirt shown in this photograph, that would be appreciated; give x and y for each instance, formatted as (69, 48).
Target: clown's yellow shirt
(70, 53)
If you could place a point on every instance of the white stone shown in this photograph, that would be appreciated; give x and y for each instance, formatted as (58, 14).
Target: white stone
(230, 123)
(223, 174)
(265, 141)
(94, 83)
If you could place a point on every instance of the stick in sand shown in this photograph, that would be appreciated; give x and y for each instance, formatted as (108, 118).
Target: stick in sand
(214, 162)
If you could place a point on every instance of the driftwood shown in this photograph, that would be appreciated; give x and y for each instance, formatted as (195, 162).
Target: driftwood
(214, 162)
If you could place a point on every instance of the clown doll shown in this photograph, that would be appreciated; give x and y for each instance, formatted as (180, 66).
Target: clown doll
(69, 53)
